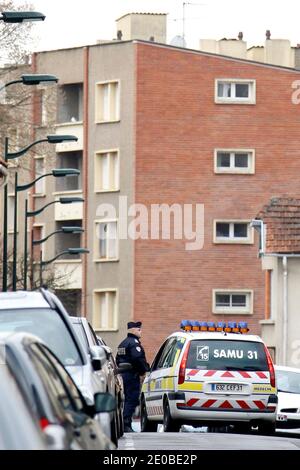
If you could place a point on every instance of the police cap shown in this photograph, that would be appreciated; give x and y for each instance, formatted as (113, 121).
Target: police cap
(133, 324)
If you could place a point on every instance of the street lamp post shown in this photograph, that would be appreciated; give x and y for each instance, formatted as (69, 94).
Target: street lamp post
(61, 200)
(69, 251)
(32, 79)
(58, 173)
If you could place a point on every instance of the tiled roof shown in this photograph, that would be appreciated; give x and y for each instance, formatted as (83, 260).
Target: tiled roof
(282, 219)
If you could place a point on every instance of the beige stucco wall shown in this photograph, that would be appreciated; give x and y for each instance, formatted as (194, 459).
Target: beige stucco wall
(229, 47)
(272, 331)
(143, 26)
(113, 62)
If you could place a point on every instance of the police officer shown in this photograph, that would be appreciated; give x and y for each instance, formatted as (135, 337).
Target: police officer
(131, 351)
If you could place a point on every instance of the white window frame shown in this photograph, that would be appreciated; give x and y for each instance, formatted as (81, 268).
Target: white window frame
(97, 307)
(99, 114)
(98, 175)
(234, 100)
(231, 239)
(250, 170)
(43, 180)
(248, 310)
(97, 258)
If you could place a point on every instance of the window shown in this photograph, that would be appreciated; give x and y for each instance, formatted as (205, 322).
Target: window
(106, 243)
(107, 101)
(70, 102)
(232, 301)
(105, 310)
(70, 182)
(39, 168)
(234, 161)
(233, 91)
(236, 231)
(107, 171)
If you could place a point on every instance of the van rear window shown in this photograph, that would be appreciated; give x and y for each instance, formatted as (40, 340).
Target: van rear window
(227, 355)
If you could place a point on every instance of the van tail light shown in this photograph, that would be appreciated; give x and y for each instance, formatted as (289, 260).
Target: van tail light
(271, 368)
(44, 423)
(181, 375)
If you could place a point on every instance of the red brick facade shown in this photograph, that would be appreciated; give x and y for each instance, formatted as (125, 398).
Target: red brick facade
(178, 126)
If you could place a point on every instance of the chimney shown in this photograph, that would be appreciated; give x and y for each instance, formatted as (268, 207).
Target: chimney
(144, 26)
(268, 34)
(240, 36)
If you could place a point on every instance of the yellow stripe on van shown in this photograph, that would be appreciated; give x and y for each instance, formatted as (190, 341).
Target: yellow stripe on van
(193, 386)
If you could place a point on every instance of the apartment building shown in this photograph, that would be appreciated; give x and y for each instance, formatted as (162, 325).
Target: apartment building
(165, 125)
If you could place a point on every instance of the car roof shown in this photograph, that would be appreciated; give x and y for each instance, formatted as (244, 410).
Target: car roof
(217, 335)
(76, 319)
(22, 299)
(288, 369)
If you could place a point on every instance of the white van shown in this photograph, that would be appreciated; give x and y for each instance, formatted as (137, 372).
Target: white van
(213, 375)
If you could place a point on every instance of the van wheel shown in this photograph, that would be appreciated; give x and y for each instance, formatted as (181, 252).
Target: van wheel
(146, 424)
(169, 424)
(266, 428)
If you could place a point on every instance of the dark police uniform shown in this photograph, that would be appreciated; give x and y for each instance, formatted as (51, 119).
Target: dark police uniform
(131, 351)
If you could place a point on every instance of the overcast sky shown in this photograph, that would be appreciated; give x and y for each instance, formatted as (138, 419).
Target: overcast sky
(77, 22)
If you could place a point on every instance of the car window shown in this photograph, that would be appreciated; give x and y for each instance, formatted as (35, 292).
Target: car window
(51, 380)
(78, 327)
(162, 355)
(173, 353)
(65, 378)
(288, 381)
(48, 325)
(94, 337)
(227, 355)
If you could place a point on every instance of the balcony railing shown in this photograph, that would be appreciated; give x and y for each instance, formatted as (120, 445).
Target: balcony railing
(68, 274)
(72, 128)
(72, 211)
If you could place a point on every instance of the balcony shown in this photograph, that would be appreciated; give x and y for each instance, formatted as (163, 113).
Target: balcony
(70, 128)
(72, 211)
(68, 274)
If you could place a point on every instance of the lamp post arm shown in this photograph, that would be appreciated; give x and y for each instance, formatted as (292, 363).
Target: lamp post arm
(10, 83)
(42, 240)
(23, 187)
(43, 263)
(37, 212)
(12, 155)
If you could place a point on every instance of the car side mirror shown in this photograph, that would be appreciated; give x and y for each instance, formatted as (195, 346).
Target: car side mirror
(56, 437)
(104, 403)
(124, 367)
(98, 357)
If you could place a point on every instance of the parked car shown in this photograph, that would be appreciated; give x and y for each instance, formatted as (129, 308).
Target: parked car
(210, 375)
(59, 408)
(288, 385)
(42, 314)
(18, 427)
(114, 381)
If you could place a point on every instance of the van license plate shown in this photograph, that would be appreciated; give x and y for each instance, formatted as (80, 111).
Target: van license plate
(228, 388)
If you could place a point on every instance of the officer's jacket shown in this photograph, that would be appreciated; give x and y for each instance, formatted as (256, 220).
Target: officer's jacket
(131, 351)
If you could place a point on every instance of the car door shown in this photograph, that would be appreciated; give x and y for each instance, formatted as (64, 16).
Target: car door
(159, 380)
(75, 422)
(86, 427)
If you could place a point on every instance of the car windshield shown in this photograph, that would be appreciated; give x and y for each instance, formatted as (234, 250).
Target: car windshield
(227, 355)
(288, 381)
(47, 325)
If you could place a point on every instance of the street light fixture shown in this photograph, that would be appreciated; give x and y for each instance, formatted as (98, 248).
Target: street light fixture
(69, 251)
(32, 79)
(57, 173)
(21, 16)
(51, 139)
(70, 229)
(61, 200)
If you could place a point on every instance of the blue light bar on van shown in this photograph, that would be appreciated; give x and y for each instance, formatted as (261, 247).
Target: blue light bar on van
(230, 327)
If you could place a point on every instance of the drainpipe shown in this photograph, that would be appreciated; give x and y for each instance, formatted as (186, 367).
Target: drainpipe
(285, 308)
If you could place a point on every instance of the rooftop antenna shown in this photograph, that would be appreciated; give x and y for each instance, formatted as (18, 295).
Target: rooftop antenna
(184, 4)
